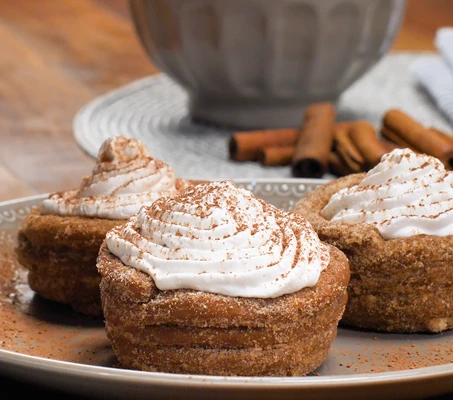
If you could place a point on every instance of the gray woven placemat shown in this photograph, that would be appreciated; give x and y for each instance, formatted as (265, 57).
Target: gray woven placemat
(154, 110)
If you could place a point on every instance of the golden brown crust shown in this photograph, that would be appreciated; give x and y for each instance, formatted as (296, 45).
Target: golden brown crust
(55, 231)
(397, 285)
(291, 359)
(60, 254)
(187, 331)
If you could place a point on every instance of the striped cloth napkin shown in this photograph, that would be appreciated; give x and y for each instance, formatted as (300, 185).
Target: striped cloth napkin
(435, 72)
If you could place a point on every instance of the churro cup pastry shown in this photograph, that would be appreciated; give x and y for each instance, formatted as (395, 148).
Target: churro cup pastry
(218, 282)
(59, 240)
(395, 225)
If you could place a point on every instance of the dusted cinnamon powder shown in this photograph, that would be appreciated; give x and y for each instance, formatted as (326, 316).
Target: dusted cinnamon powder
(381, 353)
(33, 326)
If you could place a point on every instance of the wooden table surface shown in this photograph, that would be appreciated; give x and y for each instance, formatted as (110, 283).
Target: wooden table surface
(59, 54)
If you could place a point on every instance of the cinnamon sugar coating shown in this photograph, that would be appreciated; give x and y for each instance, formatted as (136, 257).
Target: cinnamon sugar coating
(194, 332)
(397, 285)
(60, 254)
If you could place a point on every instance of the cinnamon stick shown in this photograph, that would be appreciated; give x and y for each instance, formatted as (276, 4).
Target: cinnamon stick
(247, 145)
(394, 138)
(337, 166)
(314, 141)
(367, 142)
(346, 150)
(436, 131)
(389, 145)
(276, 155)
(418, 136)
(445, 136)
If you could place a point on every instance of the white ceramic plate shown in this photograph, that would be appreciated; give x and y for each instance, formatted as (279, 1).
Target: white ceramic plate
(47, 343)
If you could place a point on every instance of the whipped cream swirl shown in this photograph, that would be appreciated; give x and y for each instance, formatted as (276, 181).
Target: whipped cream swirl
(406, 194)
(124, 178)
(219, 238)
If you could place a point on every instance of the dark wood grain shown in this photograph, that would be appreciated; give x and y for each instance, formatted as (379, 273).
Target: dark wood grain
(57, 55)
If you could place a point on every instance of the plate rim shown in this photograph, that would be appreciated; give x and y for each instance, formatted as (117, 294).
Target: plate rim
(26, 364)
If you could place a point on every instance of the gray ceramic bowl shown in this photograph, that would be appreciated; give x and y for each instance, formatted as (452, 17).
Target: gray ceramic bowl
(258, 63)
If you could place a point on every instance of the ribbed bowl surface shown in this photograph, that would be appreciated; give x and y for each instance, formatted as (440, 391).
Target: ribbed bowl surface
(266, 51)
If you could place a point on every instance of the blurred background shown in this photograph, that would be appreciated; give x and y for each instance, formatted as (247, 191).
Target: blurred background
(423, 18)
(58, 55)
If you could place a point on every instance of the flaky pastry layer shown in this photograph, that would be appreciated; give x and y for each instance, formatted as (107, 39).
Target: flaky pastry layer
(60, 254)
(187, 331)
(396, 285)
